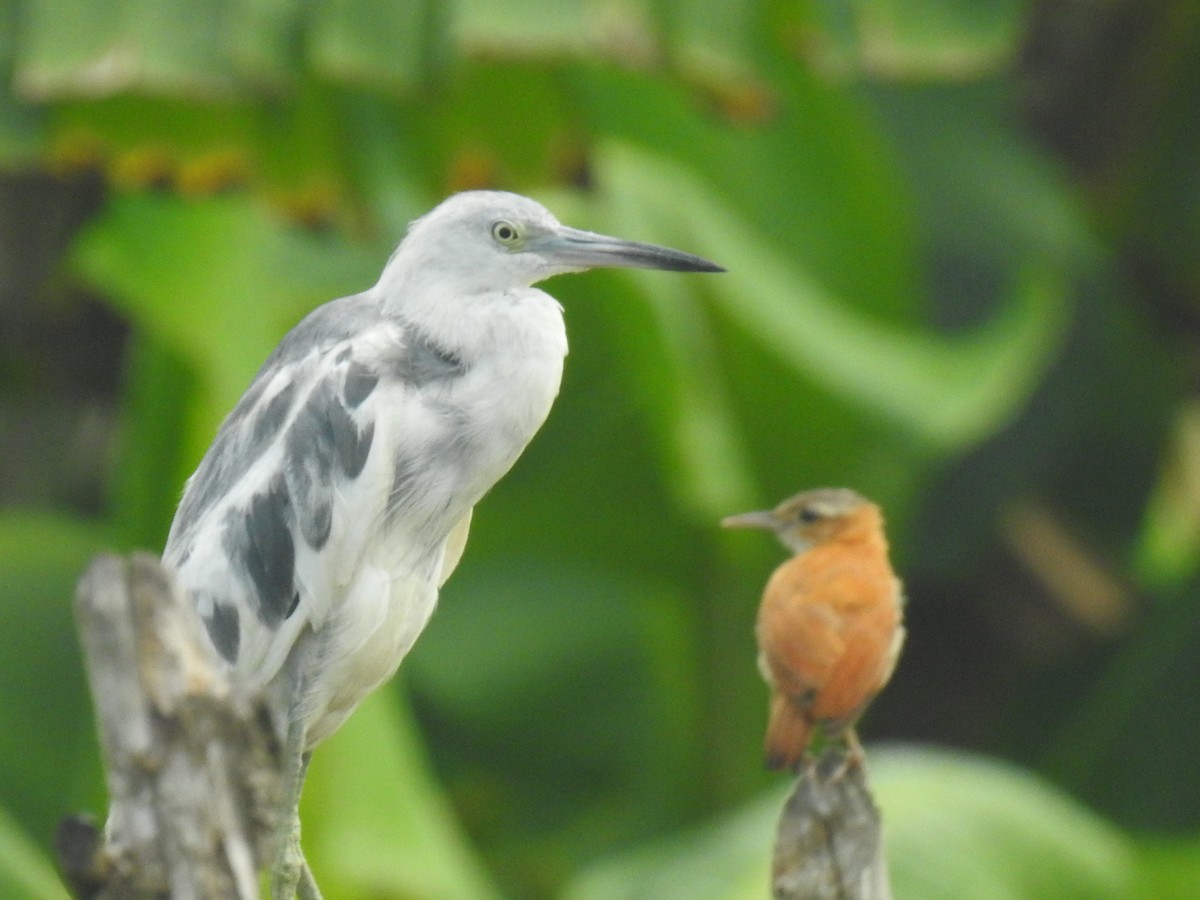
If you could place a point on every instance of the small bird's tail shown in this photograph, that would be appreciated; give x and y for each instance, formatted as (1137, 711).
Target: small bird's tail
(788, 734)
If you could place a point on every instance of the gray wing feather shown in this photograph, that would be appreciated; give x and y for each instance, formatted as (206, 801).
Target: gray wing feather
(280, 519)
(252, 425)
(264, 494)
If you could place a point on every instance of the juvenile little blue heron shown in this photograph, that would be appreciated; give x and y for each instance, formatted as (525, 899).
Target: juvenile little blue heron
(335, 500)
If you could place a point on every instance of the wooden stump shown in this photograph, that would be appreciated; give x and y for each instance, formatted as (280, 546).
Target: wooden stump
(192, 768)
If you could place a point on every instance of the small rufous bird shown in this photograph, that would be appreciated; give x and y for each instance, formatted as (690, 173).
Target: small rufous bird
(830, 626)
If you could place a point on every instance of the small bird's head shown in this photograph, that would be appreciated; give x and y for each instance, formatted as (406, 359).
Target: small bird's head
(812, 518)
(496, 241)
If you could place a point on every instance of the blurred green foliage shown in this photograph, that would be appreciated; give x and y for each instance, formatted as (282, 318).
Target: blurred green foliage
(963, 250)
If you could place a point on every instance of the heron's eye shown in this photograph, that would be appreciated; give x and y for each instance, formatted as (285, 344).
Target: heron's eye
(505, 232)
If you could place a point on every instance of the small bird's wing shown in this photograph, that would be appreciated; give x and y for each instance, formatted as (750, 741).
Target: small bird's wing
(279, 520)
(868, 601)
(799, 640)
(799, 646)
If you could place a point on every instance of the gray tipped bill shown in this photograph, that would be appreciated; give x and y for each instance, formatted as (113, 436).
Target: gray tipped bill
(765, 519)
(589, 250)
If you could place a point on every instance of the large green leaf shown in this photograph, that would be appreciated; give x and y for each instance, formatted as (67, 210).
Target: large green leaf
(727, 859)
(526, 26)
(1168, 868)
(376, 823)
(970, 828)
(924, 39)
(19, 131)
(955, 825)
(815, 176)
(715, 40)
(378, 44)
(109, 46)
(25, 874)
(49, 763)
(947, 390)
(511, 665)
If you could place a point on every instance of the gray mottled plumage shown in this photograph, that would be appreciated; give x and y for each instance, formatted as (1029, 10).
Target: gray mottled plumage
(336, 497)
(289, 460)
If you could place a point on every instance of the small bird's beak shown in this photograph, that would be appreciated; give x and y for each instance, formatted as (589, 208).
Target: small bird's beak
(765, 519)
(588, 250)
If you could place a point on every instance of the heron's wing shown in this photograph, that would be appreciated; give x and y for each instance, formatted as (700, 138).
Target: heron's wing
(252, 428)
(275, 524)
(456, 543)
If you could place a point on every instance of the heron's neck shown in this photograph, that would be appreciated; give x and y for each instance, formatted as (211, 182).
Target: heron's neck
(448, 313)
(468, 320)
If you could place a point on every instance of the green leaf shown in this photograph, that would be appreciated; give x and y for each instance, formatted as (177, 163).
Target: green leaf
(144, 488)
(20, 123)
(49, 763)
(382, 44)
(1168, 868)
(816, 176)
(714, 39)
(955, 826)
(948, 391)
(950, 39)
(528, 26)
(25, 874)
(109, 46)
(970, 828)
(726, 859)
(984, 192)
(375, 821)
(511, 661)
(1168, 551)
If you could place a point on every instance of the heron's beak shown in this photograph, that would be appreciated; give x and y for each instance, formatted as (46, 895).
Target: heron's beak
(588, 250)
(765, 519)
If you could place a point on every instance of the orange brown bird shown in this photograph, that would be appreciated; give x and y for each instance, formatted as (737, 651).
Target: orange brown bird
(830, 626)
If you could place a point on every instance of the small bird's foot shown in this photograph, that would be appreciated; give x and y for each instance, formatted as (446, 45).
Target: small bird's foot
(806, 766)
(855, 757)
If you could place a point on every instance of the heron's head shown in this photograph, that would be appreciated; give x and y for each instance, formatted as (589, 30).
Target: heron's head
(497, 241)
(813, 517)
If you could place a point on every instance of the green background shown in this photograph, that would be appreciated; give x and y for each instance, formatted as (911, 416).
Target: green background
(963, 264)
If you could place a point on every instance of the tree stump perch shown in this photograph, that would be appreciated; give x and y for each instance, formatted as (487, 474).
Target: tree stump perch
(192, 766)
(829, 845)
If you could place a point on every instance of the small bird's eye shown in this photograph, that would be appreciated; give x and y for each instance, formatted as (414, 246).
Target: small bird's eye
(504, 232)
(808, 515)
